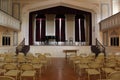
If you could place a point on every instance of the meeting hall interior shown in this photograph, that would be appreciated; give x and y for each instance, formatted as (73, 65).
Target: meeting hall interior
(59, 40)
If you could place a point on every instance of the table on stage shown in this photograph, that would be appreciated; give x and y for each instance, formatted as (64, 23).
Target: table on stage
(70, 51)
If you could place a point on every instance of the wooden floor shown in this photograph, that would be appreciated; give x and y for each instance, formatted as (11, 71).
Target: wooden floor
(59, 70)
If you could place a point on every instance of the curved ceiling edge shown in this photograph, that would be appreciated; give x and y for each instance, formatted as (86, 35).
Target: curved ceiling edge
(50, 4)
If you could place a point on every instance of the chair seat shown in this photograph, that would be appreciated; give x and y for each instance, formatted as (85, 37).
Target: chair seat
(92, 71)
(37, 66)
(2, 71)
(6, 78)
(1, 59)
(117, 68)
(28, 73)
(12, 73)
(43, 61)
(108, 70)
(95, 65)
(110, 65)
(1, 64)
(76, 61)
(82, 66)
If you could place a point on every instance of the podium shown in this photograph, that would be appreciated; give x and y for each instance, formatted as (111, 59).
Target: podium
(67, 51)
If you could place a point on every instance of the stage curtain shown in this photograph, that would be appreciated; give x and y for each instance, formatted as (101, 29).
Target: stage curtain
(76, 30)
(79, 28)
(38, 31)
(30, 30)
(82, 30)
(90, 29)
(40, 28)
(63, 29)
(57, 29)
(43, 29)
(60, 33)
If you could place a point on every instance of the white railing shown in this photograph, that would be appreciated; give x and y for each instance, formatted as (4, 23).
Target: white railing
(110, 22)
(9, 21)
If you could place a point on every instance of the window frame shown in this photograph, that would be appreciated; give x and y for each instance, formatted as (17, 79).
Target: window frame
(114, 41)
(6, 40)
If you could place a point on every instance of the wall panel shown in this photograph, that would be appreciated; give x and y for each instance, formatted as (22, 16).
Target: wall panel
(105, 12)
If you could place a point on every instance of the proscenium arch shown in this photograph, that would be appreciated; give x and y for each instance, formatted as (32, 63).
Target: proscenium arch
(61, 10)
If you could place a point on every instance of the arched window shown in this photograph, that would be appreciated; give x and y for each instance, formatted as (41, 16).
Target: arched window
(60, 28)
(6, 38)
(114, 38)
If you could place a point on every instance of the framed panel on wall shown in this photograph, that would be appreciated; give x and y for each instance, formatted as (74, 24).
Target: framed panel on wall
(15, 38)
(105, 38)
(105, 11)
(0, 4)
(16, 10)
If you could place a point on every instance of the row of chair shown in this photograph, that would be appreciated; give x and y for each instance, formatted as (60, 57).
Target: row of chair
(83, 64)
(23, 66)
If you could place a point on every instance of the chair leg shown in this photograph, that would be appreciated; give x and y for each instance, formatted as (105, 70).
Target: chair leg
(34, 78)
(100, 76)
(20, 77)
(106, 75)
(40, 72)
(88, 77)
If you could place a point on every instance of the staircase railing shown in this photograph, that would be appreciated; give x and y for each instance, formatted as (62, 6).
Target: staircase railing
(22, 48)
(101, 47)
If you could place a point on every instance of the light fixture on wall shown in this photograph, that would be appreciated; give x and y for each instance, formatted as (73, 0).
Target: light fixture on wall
(114, 33)
(15, 38)
(6, 32)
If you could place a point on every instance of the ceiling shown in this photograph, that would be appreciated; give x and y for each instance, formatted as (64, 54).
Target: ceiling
(34, 1)
(27, 1)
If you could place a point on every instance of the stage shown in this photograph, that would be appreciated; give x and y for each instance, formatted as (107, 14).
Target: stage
(58, 51)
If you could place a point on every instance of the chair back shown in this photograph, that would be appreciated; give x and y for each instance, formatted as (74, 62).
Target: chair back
(6, 78)
(26, 67)
(10, 66)
(114, 75)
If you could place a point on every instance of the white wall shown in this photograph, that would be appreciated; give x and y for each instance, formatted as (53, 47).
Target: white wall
(116, 6)
(50, 25)
(70, 26)
(7, 49)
